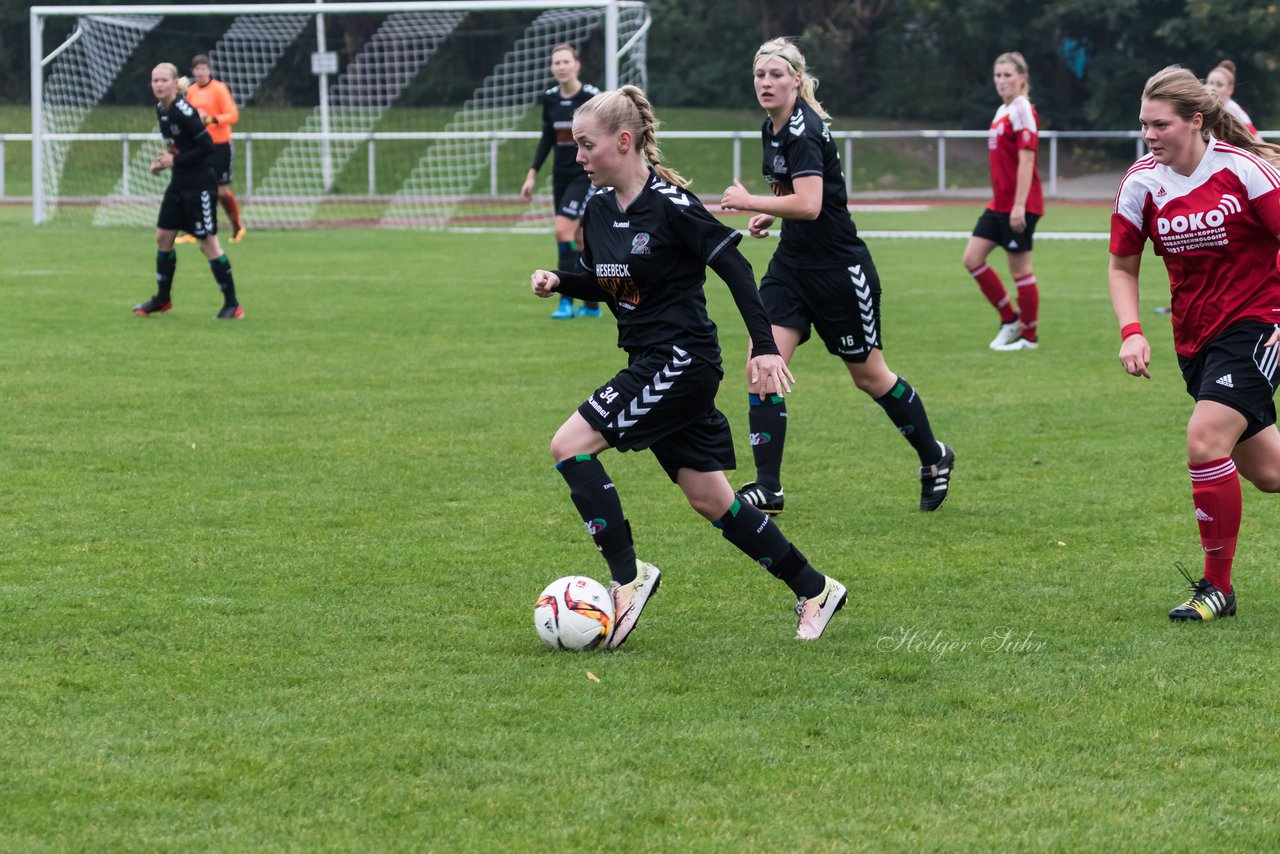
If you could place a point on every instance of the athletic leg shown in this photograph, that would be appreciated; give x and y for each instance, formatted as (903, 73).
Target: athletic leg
(767, 417)
(975, 261)
(1212, 434)
(757, 536)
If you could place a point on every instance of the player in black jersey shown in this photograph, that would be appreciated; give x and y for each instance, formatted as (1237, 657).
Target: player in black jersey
(190, 201)
(570, 186)
(648, 244)
(821, 276)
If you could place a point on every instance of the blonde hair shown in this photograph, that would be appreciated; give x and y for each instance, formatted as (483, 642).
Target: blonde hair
(1015, 59)
(1187, 95)
(183, 82)
(786, 50)
(628, 109)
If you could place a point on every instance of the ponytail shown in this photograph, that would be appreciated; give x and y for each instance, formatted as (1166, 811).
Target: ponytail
(629, 108)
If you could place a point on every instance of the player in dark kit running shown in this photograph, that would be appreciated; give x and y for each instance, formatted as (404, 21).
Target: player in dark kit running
(648, 244)
(821, 276)
(570, 185)
(190, 201)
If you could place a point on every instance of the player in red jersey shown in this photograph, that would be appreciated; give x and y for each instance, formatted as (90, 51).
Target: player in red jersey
(1223, 81)
(1017, 203)
(1208, 197)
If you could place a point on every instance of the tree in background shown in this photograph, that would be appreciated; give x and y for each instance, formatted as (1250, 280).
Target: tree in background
(923, 61)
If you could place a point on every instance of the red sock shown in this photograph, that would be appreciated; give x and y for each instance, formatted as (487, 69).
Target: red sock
(993, 289)
(1028, 305)
(232, 207)
(1215, 489)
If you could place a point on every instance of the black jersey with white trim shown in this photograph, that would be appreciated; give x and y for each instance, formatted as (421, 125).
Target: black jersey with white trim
(651, 261)
(557, 130)
(804, 147)
(182, 127)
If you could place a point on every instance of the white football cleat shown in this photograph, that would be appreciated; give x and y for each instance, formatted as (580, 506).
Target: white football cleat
(1008, 333)
(1019, 344)
(629, 600)
(816, 612)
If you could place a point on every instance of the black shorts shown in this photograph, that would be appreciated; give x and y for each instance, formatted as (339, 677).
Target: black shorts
(665, 401)
(842, 304)
(223, 162)
(1237, 370)
(194, 211)
(995, 227)
(571, 196)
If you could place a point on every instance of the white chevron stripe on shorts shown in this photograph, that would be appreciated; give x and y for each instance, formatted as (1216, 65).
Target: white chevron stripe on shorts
(651, 394)
(866, 305)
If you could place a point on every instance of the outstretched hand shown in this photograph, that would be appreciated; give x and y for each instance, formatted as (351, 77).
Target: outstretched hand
(544, 283)
(770, 374)
(736, 197)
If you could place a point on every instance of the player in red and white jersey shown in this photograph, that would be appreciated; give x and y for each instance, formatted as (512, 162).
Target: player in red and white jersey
(1223, 81)
(1208, 197)
(1017, 203)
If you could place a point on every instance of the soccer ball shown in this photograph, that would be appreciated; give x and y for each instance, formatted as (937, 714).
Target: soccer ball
(574, 612)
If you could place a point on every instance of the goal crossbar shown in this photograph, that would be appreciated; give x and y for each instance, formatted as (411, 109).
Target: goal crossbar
(611, 13)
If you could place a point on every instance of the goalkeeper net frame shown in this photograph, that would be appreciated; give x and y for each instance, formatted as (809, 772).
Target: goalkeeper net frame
(308, 175)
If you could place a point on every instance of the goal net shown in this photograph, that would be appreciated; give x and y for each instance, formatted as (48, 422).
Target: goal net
(405, 114)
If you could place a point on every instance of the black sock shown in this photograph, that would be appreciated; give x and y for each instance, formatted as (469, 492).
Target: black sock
(166, 263)
(597, 501)
(755, 535)
(567, 256)
(767, 417)
(221, 268)
(906, 410)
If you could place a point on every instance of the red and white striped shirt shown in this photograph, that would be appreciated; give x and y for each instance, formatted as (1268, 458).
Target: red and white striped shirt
(1216, 230)
(1240, 115)
(1015, 128)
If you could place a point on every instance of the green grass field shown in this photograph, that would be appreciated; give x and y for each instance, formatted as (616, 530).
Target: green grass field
(269, 585)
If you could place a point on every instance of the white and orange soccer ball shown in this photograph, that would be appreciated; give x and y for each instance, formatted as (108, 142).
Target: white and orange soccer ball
(574, 613)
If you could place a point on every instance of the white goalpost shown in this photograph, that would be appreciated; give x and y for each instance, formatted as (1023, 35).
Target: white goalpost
(401, 127)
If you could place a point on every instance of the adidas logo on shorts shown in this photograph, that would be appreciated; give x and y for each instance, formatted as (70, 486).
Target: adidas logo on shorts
(1225, 380)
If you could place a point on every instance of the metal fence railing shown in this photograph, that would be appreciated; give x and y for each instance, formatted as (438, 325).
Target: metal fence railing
(734, 139)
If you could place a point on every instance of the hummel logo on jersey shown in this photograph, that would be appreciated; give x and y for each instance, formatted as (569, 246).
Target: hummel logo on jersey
(797, 124)
(1202, 516)
(1225, 380)
(626, 224)
(670, 192)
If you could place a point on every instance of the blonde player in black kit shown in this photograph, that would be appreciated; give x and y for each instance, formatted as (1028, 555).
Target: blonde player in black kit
(648, 244)
(190, 201)
(569, 184)
(821, 276)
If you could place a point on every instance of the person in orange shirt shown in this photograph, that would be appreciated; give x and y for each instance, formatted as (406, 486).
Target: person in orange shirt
(212, 100)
